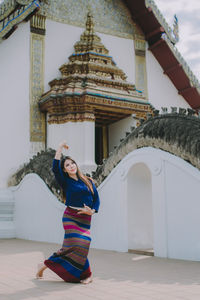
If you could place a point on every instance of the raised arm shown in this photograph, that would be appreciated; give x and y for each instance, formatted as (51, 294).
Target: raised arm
(57, 167)
(59, 150)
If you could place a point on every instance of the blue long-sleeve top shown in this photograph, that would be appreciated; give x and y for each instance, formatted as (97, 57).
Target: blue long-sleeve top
(76, 191)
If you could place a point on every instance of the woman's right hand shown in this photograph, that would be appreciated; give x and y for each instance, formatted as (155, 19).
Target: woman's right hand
(59, 150)
(63, 145)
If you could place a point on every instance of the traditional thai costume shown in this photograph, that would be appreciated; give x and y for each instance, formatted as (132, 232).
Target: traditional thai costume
(70, 262)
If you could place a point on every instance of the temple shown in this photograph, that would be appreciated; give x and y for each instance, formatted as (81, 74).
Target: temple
(105, 76)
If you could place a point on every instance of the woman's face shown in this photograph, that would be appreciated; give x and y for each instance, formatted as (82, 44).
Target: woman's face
(70, 167)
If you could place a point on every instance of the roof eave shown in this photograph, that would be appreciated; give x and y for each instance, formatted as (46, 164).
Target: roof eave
(165, 52)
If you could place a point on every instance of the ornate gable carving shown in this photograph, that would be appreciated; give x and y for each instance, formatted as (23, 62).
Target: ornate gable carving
(111, 16)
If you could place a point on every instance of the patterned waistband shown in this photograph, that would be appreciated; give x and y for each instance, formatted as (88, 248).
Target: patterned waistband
(72, 209)
(74, 212)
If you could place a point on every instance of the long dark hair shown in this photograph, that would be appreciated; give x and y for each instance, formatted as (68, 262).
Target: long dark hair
(80, 175)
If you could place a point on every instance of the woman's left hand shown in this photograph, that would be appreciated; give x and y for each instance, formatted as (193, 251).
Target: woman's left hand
(86, 210)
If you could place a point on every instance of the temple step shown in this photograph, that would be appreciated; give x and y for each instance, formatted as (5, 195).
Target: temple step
(7, 230)
(6, 217)
(7, 227)
(148, 252)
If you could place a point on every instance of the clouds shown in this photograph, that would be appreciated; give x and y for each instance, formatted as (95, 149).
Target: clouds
(188, 13)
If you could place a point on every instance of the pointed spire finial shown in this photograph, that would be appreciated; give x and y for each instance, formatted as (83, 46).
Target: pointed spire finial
(90, 22)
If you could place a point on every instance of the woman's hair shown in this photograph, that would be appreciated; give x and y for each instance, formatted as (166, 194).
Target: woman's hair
(79, 174)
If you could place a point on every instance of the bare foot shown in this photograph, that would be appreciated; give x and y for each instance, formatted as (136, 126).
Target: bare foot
(87, 280)
(41, 268)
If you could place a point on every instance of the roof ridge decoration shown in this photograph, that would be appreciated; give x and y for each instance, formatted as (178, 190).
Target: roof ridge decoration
(171, 33)
(176, 28)
(13, 12)
(170, 36)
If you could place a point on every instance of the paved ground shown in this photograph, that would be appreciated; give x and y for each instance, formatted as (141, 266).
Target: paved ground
(116, 276)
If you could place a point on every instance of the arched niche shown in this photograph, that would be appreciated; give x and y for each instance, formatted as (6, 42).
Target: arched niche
(140, 208)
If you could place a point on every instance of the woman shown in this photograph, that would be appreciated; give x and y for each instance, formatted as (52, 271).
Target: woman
(82, 201)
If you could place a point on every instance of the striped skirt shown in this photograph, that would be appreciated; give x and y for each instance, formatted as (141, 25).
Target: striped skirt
(70, 262)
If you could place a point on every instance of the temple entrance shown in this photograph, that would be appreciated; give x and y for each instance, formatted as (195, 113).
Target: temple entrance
(101, 143)
(140, 210)
(98, 145)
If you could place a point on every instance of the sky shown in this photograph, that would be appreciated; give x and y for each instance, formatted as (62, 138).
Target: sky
(188, 13)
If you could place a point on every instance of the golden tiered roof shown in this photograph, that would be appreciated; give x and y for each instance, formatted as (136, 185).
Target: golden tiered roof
(91, 57)
(91, 86)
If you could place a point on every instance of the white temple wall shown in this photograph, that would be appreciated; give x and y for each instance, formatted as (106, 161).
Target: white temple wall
(173, 206)
(14, 112)
(182, 211)
(59, 45)
(117, 131)
(80, 137)
(38, 213)
(161, 91)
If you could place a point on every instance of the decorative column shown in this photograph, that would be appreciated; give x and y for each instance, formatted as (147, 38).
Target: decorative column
(37, 118)
(140, 64)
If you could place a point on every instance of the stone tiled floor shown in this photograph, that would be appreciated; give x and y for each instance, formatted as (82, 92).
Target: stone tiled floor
(116, 276)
